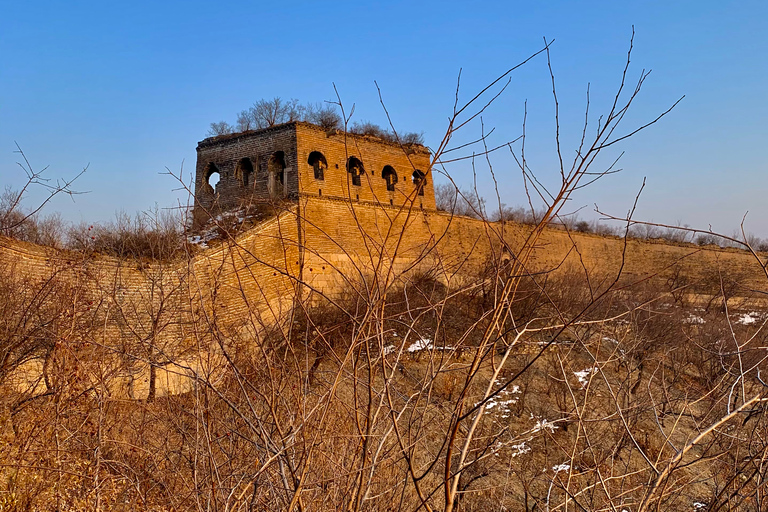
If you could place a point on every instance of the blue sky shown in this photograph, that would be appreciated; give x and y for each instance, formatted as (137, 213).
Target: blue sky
(128, 89)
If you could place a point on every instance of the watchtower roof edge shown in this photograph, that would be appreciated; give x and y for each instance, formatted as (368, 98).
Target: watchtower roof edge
(218, 139)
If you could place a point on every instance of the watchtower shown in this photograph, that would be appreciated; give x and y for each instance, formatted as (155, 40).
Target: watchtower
(287, 161)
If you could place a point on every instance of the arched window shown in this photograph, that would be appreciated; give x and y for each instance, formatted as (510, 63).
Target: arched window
(419, 181)
(390, 176)
(355, 168)
(318, 163)
(276, 170)
(211, 178)
(244, 171)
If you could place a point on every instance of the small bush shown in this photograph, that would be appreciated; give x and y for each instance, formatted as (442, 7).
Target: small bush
(154, 235)
(582, 226)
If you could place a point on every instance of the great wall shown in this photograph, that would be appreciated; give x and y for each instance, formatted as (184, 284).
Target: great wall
(346, 209)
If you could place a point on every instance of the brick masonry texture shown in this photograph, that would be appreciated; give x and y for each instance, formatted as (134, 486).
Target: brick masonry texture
(326, 236)
(314, 247)
(280, 159)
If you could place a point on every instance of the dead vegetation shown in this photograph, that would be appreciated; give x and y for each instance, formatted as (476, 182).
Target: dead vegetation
(503, 388)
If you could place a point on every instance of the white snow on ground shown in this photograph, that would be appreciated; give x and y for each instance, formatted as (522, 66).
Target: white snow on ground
(697, 505)
(388, 350)
(561, 467)
(197, 240)
(583, 376)
(556, 342)
(694, 319)
(211, 230)
(519, 449)
(425, 344)
(503, 400)
(544, 424)
(493, 402)
(749, 318)
(201, 241)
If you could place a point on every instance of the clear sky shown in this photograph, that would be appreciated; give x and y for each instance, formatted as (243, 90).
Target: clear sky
(129, 88)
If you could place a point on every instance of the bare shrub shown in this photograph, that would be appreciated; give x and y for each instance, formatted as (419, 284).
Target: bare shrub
(675, 234)
(26, 224)
(324, 115)
(35, 228)
(450, 198)
(518, 214)
(462, 382)
(265, 113)
(154, 235)
(374, 130)
(220, 128)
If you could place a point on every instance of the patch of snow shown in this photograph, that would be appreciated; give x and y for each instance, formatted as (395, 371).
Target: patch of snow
(561, 467)
(496, 448)
(544, 424)
(556, 342)
(198, 241)
(697, 505)
(694, 319)
(749, 318)
(519, 449)
(503, 403)
(388, 350)
(423, 343)
(583, 376)
(426, 344)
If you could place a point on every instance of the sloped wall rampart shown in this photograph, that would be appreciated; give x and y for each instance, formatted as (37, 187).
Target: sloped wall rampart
(347, 238)
(315, 247)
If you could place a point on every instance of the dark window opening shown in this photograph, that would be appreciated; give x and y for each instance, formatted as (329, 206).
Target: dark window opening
(244, 171)
(318, 163)
(320, 192)
(390, 176)
(276, 170)
(212, 178)
(419, 181)
(355, 168)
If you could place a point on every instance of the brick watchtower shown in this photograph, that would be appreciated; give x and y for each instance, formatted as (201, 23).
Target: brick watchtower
(291, 160)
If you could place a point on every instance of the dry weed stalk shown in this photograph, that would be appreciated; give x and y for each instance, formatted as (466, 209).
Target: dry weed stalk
(409, 388)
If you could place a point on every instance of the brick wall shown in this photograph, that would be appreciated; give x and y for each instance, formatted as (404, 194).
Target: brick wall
(375, 154)
(318, 245)
(237, 186)
(233, 156)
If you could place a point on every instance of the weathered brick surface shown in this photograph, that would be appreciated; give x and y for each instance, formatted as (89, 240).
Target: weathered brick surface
(234, 188)
(327, 236)
(296, 142)
(317, 246)
(375, 154)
